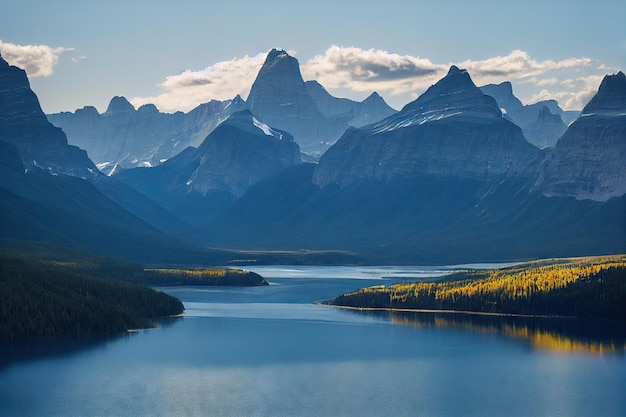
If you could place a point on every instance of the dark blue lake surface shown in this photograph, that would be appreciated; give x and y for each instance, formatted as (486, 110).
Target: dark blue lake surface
(269, 351)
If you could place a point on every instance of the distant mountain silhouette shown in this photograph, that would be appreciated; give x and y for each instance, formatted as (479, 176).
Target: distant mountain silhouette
(123, 137)
(543, 122)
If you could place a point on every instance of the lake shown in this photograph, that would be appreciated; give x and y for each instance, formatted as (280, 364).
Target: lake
(270, 351)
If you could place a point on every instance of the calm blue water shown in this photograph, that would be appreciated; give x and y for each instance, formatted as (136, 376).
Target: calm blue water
(269, 351)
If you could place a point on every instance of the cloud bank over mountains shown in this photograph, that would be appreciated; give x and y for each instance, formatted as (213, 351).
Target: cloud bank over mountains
(354, 73)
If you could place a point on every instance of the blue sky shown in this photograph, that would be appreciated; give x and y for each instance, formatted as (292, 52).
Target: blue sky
(180, 54)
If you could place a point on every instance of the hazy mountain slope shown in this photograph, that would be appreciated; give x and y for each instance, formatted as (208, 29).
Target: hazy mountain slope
(543, 122)
(198, 183)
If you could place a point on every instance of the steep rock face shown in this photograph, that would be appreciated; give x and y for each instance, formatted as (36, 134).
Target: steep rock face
(539, 128)
(196, 183)
(123, 137)
(452, 130)
(24, 125)
(316, 119)
(589, 161)
(279, 98)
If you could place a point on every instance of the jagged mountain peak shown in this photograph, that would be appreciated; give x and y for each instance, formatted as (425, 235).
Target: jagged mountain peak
(237, 100)
(276, 53)
(588, 160)
(453, 93)
(454, 96)
(119, 104)
(454, 70)
(374, 97)
(610, 98)
(280, 61)
(503, 93)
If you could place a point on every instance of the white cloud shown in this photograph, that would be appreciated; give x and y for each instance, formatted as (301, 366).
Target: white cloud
(354, 72)
(404, 77)
(573, 94)
(518, 64)
(36, 60)
(220, 81)
(371, 70)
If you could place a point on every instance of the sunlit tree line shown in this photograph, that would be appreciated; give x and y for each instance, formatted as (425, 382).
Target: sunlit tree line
(589, 287)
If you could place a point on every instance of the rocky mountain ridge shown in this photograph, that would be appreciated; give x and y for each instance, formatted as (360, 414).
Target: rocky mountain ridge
(452, 130)
(125, 137)
(589, 160)
(447, 179)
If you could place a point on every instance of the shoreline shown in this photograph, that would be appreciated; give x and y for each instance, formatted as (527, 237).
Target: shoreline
(464, 312)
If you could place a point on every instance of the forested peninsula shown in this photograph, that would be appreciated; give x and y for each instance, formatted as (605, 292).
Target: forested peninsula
(593, 287)
(53, 293)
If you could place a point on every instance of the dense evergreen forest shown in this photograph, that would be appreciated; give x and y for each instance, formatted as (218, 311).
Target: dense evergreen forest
(51, 293)
(583, 287)
(49, 299)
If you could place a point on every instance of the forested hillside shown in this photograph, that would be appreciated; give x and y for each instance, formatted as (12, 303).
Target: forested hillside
(45, 299)
(584, 287)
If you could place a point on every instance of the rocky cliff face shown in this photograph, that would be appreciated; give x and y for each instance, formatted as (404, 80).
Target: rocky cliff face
(589, 161)
(452, 130)
(316, 119)
(24, 125)
(539, 128)
(123, 137)
(279, 98)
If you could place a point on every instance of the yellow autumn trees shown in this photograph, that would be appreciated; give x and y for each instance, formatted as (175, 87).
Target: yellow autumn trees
(590, 287)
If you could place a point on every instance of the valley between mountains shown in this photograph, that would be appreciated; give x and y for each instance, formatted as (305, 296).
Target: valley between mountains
(461, 174)
(293, 175)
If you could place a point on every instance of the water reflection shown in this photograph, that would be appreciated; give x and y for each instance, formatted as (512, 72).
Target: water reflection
(12, 353)
(564, 335)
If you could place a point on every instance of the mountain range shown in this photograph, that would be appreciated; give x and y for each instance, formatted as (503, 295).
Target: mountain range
(447, 179)
(125, 137)
(450, 178)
